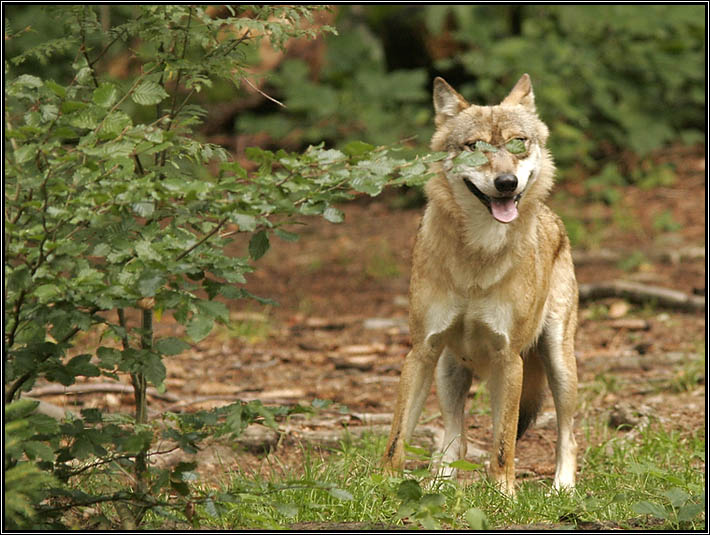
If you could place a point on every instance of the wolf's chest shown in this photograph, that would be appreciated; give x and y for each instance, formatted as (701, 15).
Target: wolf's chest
(485, 329)
(482, 331)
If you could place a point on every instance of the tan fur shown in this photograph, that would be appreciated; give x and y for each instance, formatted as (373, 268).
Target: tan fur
(487, 298)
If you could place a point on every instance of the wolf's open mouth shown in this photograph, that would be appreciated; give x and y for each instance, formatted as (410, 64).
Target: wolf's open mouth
(503, 209)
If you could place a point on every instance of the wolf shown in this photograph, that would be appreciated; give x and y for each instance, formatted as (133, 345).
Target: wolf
(492, 291)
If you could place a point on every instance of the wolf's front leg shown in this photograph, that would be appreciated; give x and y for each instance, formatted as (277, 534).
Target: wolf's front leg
(505, 386)
(562, 376)
(453, 381)
(414, 385)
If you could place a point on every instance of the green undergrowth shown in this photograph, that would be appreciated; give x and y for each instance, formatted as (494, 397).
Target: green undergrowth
(652, 481)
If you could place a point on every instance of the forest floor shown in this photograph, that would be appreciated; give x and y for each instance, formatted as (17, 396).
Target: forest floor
(339, 331)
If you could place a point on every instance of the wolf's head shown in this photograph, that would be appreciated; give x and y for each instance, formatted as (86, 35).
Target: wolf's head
(507, 165)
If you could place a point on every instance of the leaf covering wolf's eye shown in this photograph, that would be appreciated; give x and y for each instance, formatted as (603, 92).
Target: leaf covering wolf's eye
(481, 146)
(516, 146)
(484, 147)
(470, 159)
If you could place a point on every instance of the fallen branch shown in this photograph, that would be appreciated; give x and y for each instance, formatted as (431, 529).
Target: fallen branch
(601, 256)
(187, 402)
(92, 388)
(641, 294)
(52, 410)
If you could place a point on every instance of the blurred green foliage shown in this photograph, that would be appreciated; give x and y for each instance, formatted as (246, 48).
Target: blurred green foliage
(607, 78)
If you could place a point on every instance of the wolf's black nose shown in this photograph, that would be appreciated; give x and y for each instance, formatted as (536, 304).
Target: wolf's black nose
(506, 183)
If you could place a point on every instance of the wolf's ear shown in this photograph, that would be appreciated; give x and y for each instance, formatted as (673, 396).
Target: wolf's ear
(447, 101)
(521, 94)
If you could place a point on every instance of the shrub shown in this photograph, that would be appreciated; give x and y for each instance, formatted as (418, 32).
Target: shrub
(113, 221)
(607, 79)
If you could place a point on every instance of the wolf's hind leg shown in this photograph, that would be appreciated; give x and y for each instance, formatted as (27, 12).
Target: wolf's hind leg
(534, 389)
(453, 381)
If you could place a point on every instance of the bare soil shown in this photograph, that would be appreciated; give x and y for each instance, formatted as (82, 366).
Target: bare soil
(340, 333)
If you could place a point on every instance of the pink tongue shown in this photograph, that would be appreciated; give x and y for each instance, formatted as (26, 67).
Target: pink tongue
(504, 210)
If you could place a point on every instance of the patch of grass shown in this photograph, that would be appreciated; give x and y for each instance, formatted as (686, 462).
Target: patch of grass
(690, 375)
(649, 175)
(382, 262)
(481, 403)
(665, 222)
(596, 312)
(605, 383)
(584, 235)
(633, 261)
(625, 220)
(249, 326)
(653, 482)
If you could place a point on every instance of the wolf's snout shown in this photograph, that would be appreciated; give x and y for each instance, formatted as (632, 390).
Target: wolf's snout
(506, 183)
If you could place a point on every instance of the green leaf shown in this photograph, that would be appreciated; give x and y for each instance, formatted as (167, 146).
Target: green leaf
(199, 327)
(258, 245)
(433, 502)
(171, 346)
(676, 496)
(650, 508)
(416, 450)
(516, 146)
(145, 251)
(25, 153)
(470, 159)
(476, 519)
(289, 510)
(463, 464)
(357, 148)
(20, 409)
(143, 209)
(114, 124)
(409, 490)
(46, 292)
(57, 89)
(211, 508)
(137, 442)
(35, 449)
(246, 222)
(80, 365)
(28, 80)
(690, 511)
(341, 494)
(149, 93)
(149, 282)
(180, 487)
(429, 522)
(485, 147)
(333, 215)
(213, 309)
(318, 403)
(152, 366)
(105, 95)
(108, 357)
(366, 182)
(287, 236)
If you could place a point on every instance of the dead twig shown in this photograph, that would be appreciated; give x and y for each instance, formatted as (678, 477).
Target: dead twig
(52, 410)
(92, 388)
(641, 294)
(262, 93)
(610, 256)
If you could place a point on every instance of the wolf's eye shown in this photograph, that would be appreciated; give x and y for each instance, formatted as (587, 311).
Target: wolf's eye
(516, 146)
